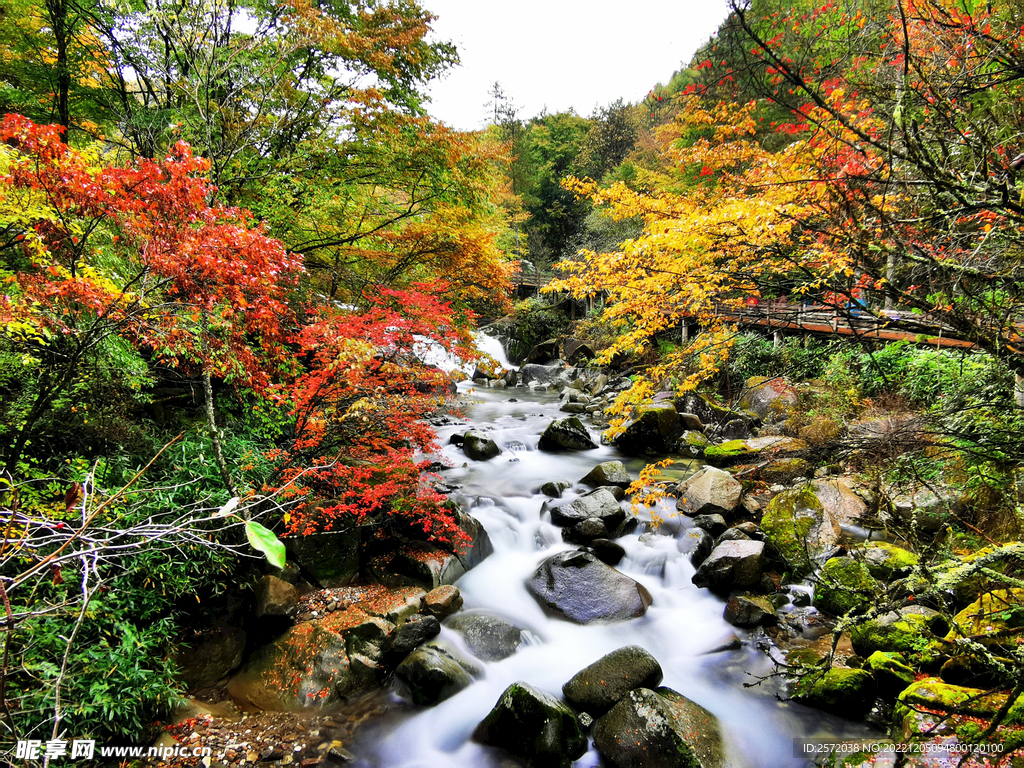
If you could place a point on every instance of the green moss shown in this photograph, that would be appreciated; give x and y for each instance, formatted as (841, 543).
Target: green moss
(886, 560)
(994, 619)
(728, 450)
(849, 692)
(789, 518)
(803, 657)
(844, 586)
(891, 672)
(908, 634)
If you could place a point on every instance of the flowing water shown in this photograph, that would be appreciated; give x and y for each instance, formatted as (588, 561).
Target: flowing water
(682, 625)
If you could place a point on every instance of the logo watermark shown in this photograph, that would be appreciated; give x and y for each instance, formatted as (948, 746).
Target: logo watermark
(86, 749)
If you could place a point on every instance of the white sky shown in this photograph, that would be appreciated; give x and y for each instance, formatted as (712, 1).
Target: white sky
(563, 53)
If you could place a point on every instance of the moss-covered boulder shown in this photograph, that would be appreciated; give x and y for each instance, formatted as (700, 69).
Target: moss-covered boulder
(995, 619)
(566, 435)
(891, 672)
(798, 527)
(886, 561)
(843, 586)
(479, 446)
(705, 409)
(533, 725)
(773, 398)
(692, 443)
(931, 695)
(784, 470)
(752, 449)
(659, 729)
(894, 632)
(654, 430)
(847, 692)
(600, 686)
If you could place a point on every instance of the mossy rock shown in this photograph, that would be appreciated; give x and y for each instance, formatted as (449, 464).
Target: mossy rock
(847, 692)
(892, 633)
(803, 657)
(891, 672)
(797, 526)
(784, 470)
(994, 619)
(933, 695)
(887, 561)
(844, 586)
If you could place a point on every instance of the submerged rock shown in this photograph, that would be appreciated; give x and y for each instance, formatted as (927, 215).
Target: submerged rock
(534, 726)
(579, 587)
(435, 672)
(488, 637)
(659, 729)
(600, 686)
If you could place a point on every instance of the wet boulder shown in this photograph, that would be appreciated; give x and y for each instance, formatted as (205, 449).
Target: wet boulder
(846, 692)
(799, 528)
(608, 473)
(659, 729)
(479, 447)
(607, 551)
(442, 601)
(654, 431)
(275, 597)
(749, 611)
(566, 435)
(534, 726)
(414, 632)
(713, 524)
(579, 587)
(488, 637)
(554, 488)
(697, 543)
(599, 504)
(731, 564)
(585, 531)
(709, 492)
(843, 586)
(600, 686)
(435, 672)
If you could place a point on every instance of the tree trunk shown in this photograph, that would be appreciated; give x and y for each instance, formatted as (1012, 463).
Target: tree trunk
(211, 424)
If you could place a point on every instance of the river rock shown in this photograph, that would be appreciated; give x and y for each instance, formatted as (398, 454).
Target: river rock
(799, 528)
(435, 672)
(585, 531)
(207, 661)
(331, 558)
(275, 597)
(749, 611)
(843, 586)
(659, 729)
(597, 688)
(487, 637)
(534, 726)
(713, 524)
(479, 447)
(846, 692)
(442, 601)
(731, 564)
(582, 589)
(839, 500)
(654, 431)
(752, 449)
(607, 551)
(608, 473)
(414, 632)
(554, 488)
(600, 504)
(320, 662)
(704, 409)
(709, 492)
(541, 374)
(566, 435)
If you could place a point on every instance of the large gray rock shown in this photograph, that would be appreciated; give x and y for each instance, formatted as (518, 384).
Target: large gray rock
(600, 504)
(839, 500)
(435, 672)
(608, 473)
(654, 431)
(599, 687)
(566, 435)
(414, 632)
(487, 637)
(711, 491)
(771, 398)
(659, 729)
(534, 726)
(542, 374)
(479, 447)
(731, 564)
(579, 587)
(749, 611)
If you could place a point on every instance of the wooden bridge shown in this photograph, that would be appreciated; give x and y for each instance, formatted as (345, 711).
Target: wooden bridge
(780, 316)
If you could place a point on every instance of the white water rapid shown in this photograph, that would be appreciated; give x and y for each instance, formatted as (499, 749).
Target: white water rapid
(682, 625)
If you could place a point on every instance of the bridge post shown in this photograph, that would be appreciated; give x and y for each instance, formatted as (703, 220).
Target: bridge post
(685, 332)
(777, 339)
(1018, 390)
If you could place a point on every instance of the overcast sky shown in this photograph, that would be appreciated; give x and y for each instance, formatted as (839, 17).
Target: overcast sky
(563, 53)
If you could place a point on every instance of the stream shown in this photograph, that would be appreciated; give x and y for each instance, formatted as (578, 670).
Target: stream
(682, 626)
